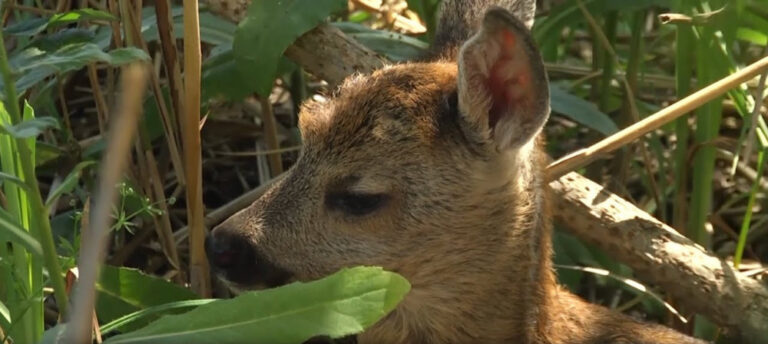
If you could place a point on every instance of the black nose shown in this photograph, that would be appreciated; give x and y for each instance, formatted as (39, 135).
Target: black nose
(226, 252)
(238, 260)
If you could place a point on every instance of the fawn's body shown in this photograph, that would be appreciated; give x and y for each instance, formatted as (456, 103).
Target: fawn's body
(434, 172)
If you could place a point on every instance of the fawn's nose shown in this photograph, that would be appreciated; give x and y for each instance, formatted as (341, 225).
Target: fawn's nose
(238, 260)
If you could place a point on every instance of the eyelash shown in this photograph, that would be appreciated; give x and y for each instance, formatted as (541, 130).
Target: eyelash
(355, 204)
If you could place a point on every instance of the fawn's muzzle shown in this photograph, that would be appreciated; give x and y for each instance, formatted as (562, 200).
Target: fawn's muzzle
(238, 260)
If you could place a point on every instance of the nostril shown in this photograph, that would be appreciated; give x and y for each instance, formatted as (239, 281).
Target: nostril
(224, 252)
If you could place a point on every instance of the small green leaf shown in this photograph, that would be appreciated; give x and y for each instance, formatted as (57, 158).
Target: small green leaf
(6, 177)
(69, 183)
(31, 128)
(79, 15)
(10, 230)
(344, 303)
(580, 111)
(268, 29)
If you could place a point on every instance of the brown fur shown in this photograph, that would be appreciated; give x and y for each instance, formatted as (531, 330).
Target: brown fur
(466, 223)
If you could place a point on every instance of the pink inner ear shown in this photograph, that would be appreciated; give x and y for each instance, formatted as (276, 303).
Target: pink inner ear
(509, 80)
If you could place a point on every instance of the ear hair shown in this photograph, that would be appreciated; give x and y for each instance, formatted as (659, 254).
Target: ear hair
(503, 88)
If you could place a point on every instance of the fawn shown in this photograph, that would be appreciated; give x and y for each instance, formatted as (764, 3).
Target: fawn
(432, 169)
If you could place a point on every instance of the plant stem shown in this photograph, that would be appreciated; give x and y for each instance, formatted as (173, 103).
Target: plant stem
(39, 211)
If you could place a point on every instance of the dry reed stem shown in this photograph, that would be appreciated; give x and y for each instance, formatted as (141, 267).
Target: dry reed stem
(584, 156)
(270, 136)
(198, 263)
(173, 72)
(114, 163)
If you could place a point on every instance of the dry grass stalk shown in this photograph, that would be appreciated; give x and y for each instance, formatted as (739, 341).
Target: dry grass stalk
(198, 263)
(114, 163)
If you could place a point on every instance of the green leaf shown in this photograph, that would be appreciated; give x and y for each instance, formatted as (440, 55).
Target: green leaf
(33, 64)
(344, 303)
(14, 179)
(394, 46)
(34, 26)
(124, 290)
(75, 56)
(268, 29)
(127, 319)
(28, 27)
(31, 128)
(69, 183)
(10, 230)
(61, 38)
(580, 111)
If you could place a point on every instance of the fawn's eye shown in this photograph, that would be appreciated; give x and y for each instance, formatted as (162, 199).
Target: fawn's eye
(355, 204)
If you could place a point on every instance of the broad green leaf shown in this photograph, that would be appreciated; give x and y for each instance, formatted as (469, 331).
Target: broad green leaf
(62, 38)
(32, 128)
(75, 56)
(33, 65)
(268, 29)
(221, 77)
(580, 111)
(10, 230)
(28, 27)
(69, 183)
(124, 290)
(344, 303)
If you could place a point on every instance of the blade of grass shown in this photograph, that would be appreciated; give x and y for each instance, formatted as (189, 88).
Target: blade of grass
(708, 118)
(115, 160)
(683, 73)
(750, 206)
(198, 263)
(39, 224)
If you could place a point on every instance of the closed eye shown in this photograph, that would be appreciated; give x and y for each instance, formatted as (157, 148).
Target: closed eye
(355, 204)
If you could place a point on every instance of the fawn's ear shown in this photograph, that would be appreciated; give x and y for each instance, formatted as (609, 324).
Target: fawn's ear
(503, 86)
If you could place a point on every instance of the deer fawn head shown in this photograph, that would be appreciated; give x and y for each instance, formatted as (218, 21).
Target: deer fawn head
(428, 169)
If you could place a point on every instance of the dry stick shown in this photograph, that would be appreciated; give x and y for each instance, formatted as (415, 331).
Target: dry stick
(98, 97)
(115, 161)
(198, 263)
(695, 278)
(585, 156)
